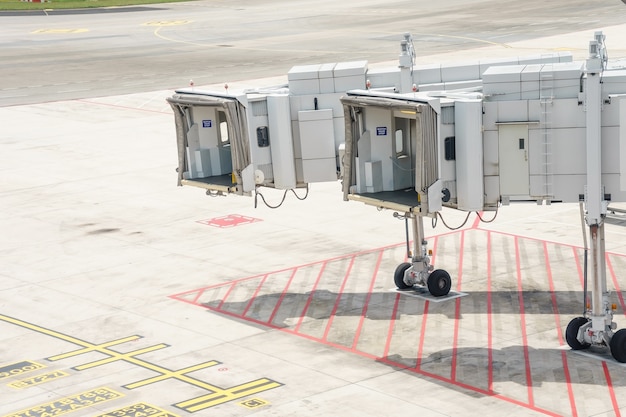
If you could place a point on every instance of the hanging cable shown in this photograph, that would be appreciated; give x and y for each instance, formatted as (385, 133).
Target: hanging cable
(454, 228)
(258, 194)
(488, 221)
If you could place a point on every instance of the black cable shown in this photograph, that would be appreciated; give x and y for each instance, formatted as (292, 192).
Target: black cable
(454, 228)
(257, 193)
(488, 221)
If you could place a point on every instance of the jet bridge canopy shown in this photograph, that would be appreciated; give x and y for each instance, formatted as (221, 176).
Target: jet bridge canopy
(391, 155)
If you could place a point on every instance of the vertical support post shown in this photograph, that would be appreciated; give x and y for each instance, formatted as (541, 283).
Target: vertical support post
(593, 101)
(596, 272)
(407, 56)
(418, 238)
(601, 314)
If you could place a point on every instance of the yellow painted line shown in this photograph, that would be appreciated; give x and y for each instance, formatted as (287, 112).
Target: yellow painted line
(93, 348)
(172, 374)
(218, 395)
(167, 22)
(60, 31)
(45, 331)
(134, 361)
(226, 395)
(19, 368)
(139, 410)
(37, 379)
(116, 356)
(69, 404)
(198, 367)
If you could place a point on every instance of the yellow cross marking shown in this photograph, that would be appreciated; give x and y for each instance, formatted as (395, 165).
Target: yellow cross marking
(115, 356)
(217, 394)
(172, 374)
(93, 348)
(224, 395)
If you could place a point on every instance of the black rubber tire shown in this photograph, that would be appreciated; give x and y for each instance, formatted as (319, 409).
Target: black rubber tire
(571, 332)
(618, 346)
(398, 276)
(439, 283)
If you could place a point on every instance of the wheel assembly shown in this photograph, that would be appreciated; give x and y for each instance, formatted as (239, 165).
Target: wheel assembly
(571, 333)
(439, 283)
(618, 345)
(398, 276)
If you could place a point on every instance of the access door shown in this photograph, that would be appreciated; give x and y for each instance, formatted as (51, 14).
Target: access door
(513, 160)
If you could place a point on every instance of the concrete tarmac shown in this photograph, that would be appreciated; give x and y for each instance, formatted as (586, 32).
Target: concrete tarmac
(124, 295)
(59, 54)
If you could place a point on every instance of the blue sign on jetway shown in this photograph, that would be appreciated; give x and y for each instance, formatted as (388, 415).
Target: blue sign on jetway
(207, 123)
(381, 131)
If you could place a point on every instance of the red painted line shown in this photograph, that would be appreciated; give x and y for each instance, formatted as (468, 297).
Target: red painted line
(609, 384)
(359, 328)
(477, 220)
(230, 289)
(529, 380)
(557, 322)
(197, 297)
(420, 348)
(335, 258)
(489, 319)
(473, 389)
(310, 298)
(392, 363)
(457, 310)
(256, 292)
(616, 284)
(282, 296)
(579, 268)
(392, 324)
(370, 251)
(338, 300)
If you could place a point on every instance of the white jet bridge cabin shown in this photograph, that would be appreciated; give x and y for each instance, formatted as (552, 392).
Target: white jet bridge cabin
(413, 139)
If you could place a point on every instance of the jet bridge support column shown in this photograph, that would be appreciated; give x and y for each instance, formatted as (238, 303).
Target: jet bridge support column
(596, 327)
(419, 272)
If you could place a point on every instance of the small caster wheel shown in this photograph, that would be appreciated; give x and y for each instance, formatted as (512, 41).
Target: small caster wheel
(398, 276)
(571, 333)
(618, 345)
(439, 283)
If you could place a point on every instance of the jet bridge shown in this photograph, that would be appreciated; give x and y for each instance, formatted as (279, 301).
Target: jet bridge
(413, 139)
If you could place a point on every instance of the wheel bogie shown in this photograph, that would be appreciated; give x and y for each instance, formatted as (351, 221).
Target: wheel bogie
(398, 276)
(439, 283)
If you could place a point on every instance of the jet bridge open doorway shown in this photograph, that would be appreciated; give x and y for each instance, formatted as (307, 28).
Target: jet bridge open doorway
(207, 156)
(391, 158)
(391, 161)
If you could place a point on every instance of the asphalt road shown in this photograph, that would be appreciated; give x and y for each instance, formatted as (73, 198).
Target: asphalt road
(59, 55)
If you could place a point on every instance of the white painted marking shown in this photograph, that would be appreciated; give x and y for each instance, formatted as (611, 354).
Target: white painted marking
(422, 293)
